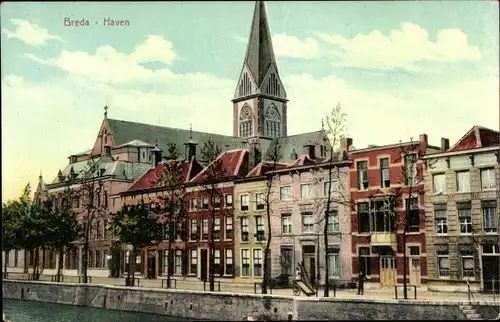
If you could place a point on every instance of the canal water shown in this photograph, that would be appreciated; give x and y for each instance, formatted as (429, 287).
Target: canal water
(32, 311)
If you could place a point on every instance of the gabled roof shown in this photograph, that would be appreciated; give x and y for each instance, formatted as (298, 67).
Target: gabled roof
(293, 142)
(152, 177)
(475, 138)
(125, 131)
(231, 164)
(260, 54)
(264, 167)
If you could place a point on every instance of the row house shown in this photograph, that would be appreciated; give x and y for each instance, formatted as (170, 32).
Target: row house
(462, 215)
(387, 219)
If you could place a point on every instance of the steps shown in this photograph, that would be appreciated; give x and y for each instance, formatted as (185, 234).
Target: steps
(470, 312)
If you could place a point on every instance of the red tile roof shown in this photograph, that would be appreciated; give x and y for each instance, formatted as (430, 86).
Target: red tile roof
(151, 178)
(264, 167)
(230, 163)
(475, 138)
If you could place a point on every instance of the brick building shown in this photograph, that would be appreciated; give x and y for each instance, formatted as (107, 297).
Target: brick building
(462, 213)
(384, 181)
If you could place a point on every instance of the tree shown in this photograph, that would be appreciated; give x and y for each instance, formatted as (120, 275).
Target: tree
(62, 227)
(172, 183)
(273, 157)
(138, 227)
(335, 131)
(12, 225)
(214, 174)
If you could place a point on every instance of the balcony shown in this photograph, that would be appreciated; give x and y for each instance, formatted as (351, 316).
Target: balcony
(383, 239)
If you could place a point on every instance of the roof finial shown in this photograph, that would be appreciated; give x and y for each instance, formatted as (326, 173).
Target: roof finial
(190, 130)
(105, 111)
(322, 124)
(40, 176)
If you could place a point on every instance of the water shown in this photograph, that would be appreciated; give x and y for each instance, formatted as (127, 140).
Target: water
(32, 311)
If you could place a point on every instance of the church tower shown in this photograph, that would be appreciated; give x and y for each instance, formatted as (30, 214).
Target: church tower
(260, 98)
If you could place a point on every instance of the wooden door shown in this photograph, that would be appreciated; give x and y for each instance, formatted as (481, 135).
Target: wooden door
(388, 272)
(414, 265)
(204, 264)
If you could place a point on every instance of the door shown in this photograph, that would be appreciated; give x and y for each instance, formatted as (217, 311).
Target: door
(204, 264)
(387, 271)
(490, 270)
(151, 266)
(414, 265)
(309, 258)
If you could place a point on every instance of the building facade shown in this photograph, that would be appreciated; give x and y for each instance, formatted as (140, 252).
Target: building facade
(462, 212)
(388, 196)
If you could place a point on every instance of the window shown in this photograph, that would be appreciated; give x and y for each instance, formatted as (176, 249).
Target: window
(257, 262)
(99, 229)
(244, 202)
(178, 231)
(105, 199)
(286, 224)
(439, 183)
(178, 262)
(488, 179)
(463, 181)
(307, 191)
(331, 187)
(229, 201)
(217, 266)
(411, 169)
(333, 263)
(467, 260)
(192, 204)
(216, 229)
(165, 262)
(441, 219)
(385, 178)
(245, 129)
(105, 228)
(166, 231)
(362, 167)
(307, 222)
(413, 224)
(333, 222)
(443, 263)
(204, 203)
(193, 262)
(245, 262)
(204, 229)
(464, 216)
(364, 260)
(273, 129)
(229, 228)
(194, 230)
(259, 227)
(489, 216)
(260, 201)
(286, 193)
(244, 229)
(229, 261)
(363, 217)
(490, 249)
(286, 260)
(98, 259)
(216, 202)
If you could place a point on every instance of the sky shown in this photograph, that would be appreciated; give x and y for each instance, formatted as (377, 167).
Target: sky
(399, 69)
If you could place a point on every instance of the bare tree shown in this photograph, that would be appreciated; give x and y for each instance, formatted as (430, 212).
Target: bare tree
(273, 158)
(172, 184)
(214, 174)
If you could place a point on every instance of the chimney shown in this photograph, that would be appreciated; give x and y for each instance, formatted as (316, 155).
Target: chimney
(72, 159)
(310, 150)
(294, 155)
(60, 176)
(157, 155)
(345, 144)
(107, 151)
(254, 154)
(445, 144)
(423, 138)
(190, 149)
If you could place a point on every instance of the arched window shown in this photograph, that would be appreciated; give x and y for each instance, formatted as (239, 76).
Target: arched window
(272, 122)
(245, 121)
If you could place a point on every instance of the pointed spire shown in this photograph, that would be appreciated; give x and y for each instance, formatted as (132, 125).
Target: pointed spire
(105, 111)
(190, 131)
(260, 54)
(40, 177)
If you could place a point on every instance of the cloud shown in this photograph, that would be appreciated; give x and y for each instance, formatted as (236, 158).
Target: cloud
(401, 48)
(291, 46)
(108, 66)
(30, 33)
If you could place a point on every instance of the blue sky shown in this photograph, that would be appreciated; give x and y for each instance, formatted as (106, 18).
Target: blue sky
(399, 69)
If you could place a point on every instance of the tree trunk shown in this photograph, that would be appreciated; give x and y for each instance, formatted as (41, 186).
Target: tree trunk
(60, 264)
(267, 257)
(43, 258)
(325, 229)
(86, 251)
(7, 253)
(36, 274)
(169, 255)
(211, 260)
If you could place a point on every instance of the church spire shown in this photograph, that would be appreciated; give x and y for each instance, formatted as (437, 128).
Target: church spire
(260, 54)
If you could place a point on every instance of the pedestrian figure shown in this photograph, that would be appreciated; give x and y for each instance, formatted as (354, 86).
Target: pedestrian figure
(361, 282)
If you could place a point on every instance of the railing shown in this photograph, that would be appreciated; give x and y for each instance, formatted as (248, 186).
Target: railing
(130, 281)
(407, 286)
(57, 278)
(476, 296)
(81, 279)
(205, 285)
(260, 283)
(165, 284)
